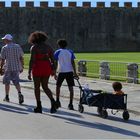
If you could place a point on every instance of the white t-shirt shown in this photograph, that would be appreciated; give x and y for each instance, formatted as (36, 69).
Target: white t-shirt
(64, 58)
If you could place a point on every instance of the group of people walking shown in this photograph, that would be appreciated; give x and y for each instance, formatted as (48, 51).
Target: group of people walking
(44, 62)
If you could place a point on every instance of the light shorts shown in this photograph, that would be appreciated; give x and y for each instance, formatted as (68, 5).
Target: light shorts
(11, 76)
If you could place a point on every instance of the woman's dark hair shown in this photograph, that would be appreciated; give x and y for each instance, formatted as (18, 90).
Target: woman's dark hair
(62, 43)
(117, 86)
(37, 37)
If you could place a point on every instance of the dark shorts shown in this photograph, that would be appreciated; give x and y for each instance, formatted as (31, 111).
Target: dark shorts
(68, 76)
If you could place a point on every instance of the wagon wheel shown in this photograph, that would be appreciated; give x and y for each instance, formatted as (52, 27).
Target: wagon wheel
(125, 115)
(104, 114)
(80, 108)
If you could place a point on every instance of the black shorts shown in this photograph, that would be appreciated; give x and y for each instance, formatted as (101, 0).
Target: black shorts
(68, 76)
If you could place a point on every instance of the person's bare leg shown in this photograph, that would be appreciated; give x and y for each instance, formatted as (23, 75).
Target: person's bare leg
(38, 109)
(20, 96)
(58, 96)
(7, 89)
(18, 88)
(70, 106)
(71, 94)
(57, 93)
(44, 82)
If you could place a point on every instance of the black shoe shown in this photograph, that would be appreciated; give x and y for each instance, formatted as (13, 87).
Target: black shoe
(6, 99)
(53, 110)
(38, 110)
(21, 98)
(54, 107)
(58, 104)
(70, 107)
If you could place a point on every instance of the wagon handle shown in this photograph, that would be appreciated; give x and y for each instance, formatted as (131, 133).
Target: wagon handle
(77, 79)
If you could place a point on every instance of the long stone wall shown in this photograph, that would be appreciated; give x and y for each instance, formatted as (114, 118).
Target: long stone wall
(87, 29)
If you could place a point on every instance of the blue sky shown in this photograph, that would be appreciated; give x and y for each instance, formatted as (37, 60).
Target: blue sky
(79, 2)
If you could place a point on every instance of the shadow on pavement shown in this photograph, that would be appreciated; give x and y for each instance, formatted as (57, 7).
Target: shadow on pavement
(24, 80)
(132, 122)
(116, 118)
(100, 126)
(13, 109)
(61, 112)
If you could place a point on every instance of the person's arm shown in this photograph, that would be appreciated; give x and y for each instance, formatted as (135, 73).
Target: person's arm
(2, 60)
(73, 64)
(53, 62)
(31, 64)
(74, 68)
(1, 66)
(56, 54)
(21, 59)
(56, 64)
(2, 63)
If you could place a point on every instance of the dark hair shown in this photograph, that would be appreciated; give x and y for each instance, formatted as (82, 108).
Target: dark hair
(117, 86)
(62, 43)
(37, 37)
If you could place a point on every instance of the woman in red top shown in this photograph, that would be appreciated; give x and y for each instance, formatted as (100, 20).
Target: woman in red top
(42, 66)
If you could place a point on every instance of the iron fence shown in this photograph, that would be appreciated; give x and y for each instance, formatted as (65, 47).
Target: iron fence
(117, 70)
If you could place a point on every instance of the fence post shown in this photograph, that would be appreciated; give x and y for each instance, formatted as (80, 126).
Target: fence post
(132, 75)
(104, 70)
(82, 69)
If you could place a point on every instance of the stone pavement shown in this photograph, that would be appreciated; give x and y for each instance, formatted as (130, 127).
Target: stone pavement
(133, 90)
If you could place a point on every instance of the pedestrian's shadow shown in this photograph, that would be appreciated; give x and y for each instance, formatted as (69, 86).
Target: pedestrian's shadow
(45, 111)
(26, 109)
(25, 80)
(118, 119)
(65, 113)
(30, 108)
(61, 112)
(16, 108)
(13, 109)
(99, 126)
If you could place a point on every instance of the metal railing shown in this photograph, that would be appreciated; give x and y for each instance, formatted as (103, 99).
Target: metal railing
(117, 70)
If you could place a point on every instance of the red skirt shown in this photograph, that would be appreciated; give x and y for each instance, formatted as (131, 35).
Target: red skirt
(42, 68)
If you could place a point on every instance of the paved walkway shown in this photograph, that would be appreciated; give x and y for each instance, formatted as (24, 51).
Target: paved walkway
(133, 90)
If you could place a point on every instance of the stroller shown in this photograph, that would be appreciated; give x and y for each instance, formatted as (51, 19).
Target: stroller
(103, 101)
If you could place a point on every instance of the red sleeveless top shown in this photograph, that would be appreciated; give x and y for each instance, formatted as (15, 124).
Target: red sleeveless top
(42, 62)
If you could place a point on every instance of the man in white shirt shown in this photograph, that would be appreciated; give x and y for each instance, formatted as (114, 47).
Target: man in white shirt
(66, 70)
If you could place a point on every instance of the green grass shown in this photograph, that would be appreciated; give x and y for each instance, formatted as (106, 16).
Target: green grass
(118, 70)
(93, 67)
(26, 60)
(119, 57)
